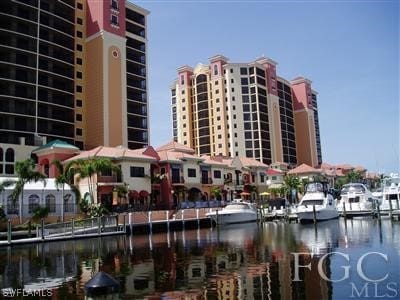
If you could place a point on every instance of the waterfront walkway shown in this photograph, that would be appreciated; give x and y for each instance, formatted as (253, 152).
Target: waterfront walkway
(140, 222)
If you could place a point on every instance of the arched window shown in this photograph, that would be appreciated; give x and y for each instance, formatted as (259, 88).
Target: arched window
(68, 203)
(10, 155)
(12, 206)
(51, 203)
(33, 201)
(215, 70)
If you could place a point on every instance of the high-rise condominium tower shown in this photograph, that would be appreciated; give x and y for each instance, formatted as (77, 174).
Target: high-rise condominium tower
(245, 109)
(73, 70)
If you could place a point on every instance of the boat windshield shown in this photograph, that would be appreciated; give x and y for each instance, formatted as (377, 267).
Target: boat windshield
(315, 187)
(237, 206)
(352, 188)
(392, 182)
(312, 202)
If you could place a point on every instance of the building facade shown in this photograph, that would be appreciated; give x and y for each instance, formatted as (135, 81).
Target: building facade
(245, 109)
(73, 70)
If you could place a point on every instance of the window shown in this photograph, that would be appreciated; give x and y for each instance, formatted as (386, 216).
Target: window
(79, 47)
(137, 171)
(51, 203)
(262, 177)
(243, 71)
(182, 80)
(114, 4)
(79, 88)
(79, 131)
(68, 203)
(9, 169)
(10, 155)
(192, 173)
(33, 201)
(79, 75)
(114, 20)
(79, 34)
(78, 117)
(217, 174)
(232, 80)
(79, 103)
(215, 70)
(79, 21)
(79, 61)
(12, 206)
(79, 5)
(231, 70)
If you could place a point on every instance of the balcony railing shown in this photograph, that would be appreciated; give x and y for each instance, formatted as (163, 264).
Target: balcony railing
(177, 179)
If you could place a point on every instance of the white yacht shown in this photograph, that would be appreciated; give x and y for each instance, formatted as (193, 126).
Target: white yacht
(356, 200)
(319, 200)
(390, 193)
(235, 212)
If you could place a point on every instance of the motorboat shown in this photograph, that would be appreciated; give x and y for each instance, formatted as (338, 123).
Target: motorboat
(390, 193)
(356, 200)
(235, 212)
(317, 204)
(278, 208)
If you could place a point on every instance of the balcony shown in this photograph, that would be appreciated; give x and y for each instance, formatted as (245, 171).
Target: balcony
(177, 180)
(206, 180)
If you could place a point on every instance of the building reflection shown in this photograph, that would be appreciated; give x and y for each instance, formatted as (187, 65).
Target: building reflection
(242, 262)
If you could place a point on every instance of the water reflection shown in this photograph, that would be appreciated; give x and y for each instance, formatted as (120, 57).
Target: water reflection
(244, 261)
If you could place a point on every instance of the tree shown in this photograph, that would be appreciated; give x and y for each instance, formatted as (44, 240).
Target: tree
(26, 172)
(89, 168)
(216, 192)
(353, 176)
(291, 183)
(65, 176)
(3, 185)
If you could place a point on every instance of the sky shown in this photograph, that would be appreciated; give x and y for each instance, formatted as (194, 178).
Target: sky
(348, 49)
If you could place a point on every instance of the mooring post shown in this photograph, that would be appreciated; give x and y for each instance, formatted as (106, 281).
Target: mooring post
(314, 214)
(9, 231)
(167, 218)
(99, 225)
(390, 208)
(197, 217)
(183, 219)
(130, 222)
(149, 220)
(42, 228)
(124, 229)
(29, 228)
(378, 209)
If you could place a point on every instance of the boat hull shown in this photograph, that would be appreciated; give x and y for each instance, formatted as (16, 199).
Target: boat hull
(320, 215)
(232, 218)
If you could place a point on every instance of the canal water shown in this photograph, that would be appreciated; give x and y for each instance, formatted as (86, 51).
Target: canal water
(337, 259)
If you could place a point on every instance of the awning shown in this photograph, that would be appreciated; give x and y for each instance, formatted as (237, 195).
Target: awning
(143, 193)
(133, 194)
(264, 194)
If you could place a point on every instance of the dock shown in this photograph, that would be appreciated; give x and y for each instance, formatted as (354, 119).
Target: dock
(127, 223)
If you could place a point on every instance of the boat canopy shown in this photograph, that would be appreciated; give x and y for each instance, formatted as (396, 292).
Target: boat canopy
(353, 188)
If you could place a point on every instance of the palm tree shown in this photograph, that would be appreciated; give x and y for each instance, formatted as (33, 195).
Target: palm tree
(88, 168)
(291, 183)
(65, 176)
(26, 172)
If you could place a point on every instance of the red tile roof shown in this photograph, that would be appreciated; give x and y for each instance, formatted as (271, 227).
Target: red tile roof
(174, 146)
(303, 169)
